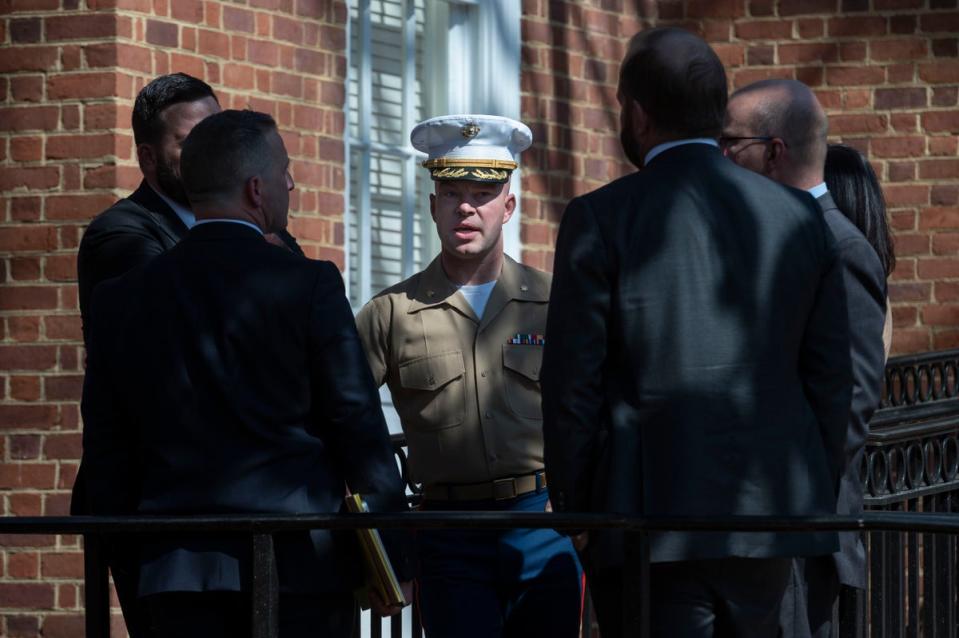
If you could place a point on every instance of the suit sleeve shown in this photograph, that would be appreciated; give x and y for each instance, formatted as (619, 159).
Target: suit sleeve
(574, 359)
(824, 361)
(110, 447)
(354, 427)
(865, 286)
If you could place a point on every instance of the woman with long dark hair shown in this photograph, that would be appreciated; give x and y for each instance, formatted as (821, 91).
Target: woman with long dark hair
(856, 190)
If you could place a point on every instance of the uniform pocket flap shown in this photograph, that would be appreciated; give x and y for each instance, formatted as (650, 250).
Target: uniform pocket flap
(430, 373)
(523, 359)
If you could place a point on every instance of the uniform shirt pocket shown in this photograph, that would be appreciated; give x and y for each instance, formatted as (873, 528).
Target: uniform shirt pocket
(521, 378)
(433, 394)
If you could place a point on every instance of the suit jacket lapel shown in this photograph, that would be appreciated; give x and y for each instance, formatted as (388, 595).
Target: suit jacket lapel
(168, 221)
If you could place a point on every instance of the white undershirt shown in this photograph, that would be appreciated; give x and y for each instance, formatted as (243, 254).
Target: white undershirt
(477, 295)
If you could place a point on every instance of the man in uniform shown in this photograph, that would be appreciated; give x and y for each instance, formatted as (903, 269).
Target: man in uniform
(460, 346)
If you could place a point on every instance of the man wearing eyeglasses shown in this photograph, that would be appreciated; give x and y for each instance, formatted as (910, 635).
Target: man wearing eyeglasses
(777, 128)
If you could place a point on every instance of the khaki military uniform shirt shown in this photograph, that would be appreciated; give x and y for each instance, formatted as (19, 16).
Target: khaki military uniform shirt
(467, 396)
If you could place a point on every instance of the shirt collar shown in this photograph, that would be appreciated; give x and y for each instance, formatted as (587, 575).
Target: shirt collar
(656, 150)
(818, 190)
(232, 221)
(185, 214)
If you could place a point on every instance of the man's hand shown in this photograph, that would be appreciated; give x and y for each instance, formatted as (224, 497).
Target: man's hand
(381, 609)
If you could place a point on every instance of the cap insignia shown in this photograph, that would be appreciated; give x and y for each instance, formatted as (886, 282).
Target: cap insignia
(469, 131)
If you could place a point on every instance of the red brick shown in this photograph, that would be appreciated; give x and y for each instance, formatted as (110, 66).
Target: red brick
(940, 72)
(905, 341)
(857, 26)
(26, 30)
(63, 626)
(238, 76)
(904, 122)
(808, 52)
(27, 595)
(214, 43)
(63, 327)
(903, 24)
(81, 27)
(189, 64)
(943, 243)
(944, 195)
(864, 123)
(23, 626)
(854, 75)
(900, 73)
(292, 85)
(28, 118)
(79, 146)
(260, 52)
(945, 291)
(902, 292)
(34, 58)
(235, 19)
(852, 51)
(28, 475)
(26, 149)
(941, 121)
(25, 268)
(119, 54)
(24, 328)
(944, 217)
(900, 98)
(940, 315)
(797, 7)
(25, 209)
(27, 88)
(764, 30)
(939, 169)
(23, 388)
(28, 298)
(62, 446)
(60, 267)
(164, 34)
(894, 50)
(77, 207)
(187, 10)
(308, 61)
(23, 565)
(61, 565)
(59, 505)
(905, 194)
(945, 96)
(939, 22)
(82, 85)
(898, 146)
(902, 171)
(288, 30)
(943, 146)
(715, 8)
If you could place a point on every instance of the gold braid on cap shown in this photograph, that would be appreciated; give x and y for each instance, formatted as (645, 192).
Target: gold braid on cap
(443, 162)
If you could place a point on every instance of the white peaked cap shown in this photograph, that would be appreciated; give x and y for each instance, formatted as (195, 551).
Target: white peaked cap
(474, 147)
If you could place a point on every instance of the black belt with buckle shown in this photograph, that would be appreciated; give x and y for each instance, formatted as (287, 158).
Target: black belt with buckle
(498, 490)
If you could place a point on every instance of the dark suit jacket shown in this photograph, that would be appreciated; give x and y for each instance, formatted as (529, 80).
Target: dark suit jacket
(128, 234)
(226, 375)
(865, 284)
(697, 356)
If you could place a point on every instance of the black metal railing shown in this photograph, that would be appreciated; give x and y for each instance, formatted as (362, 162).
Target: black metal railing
(98, 531)
(910, 474)
(911, 465)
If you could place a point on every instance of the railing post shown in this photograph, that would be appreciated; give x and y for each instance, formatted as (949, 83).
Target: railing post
(96, 587)
(266, 586)
(636, 607)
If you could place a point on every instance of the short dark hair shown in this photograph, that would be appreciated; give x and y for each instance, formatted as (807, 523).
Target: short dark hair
(678, 80)
(856, 190)
(223, 151)
(162, 92)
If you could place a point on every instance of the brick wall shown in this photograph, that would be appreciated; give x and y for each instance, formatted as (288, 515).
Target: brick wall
(886, 71)
(69, 71)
